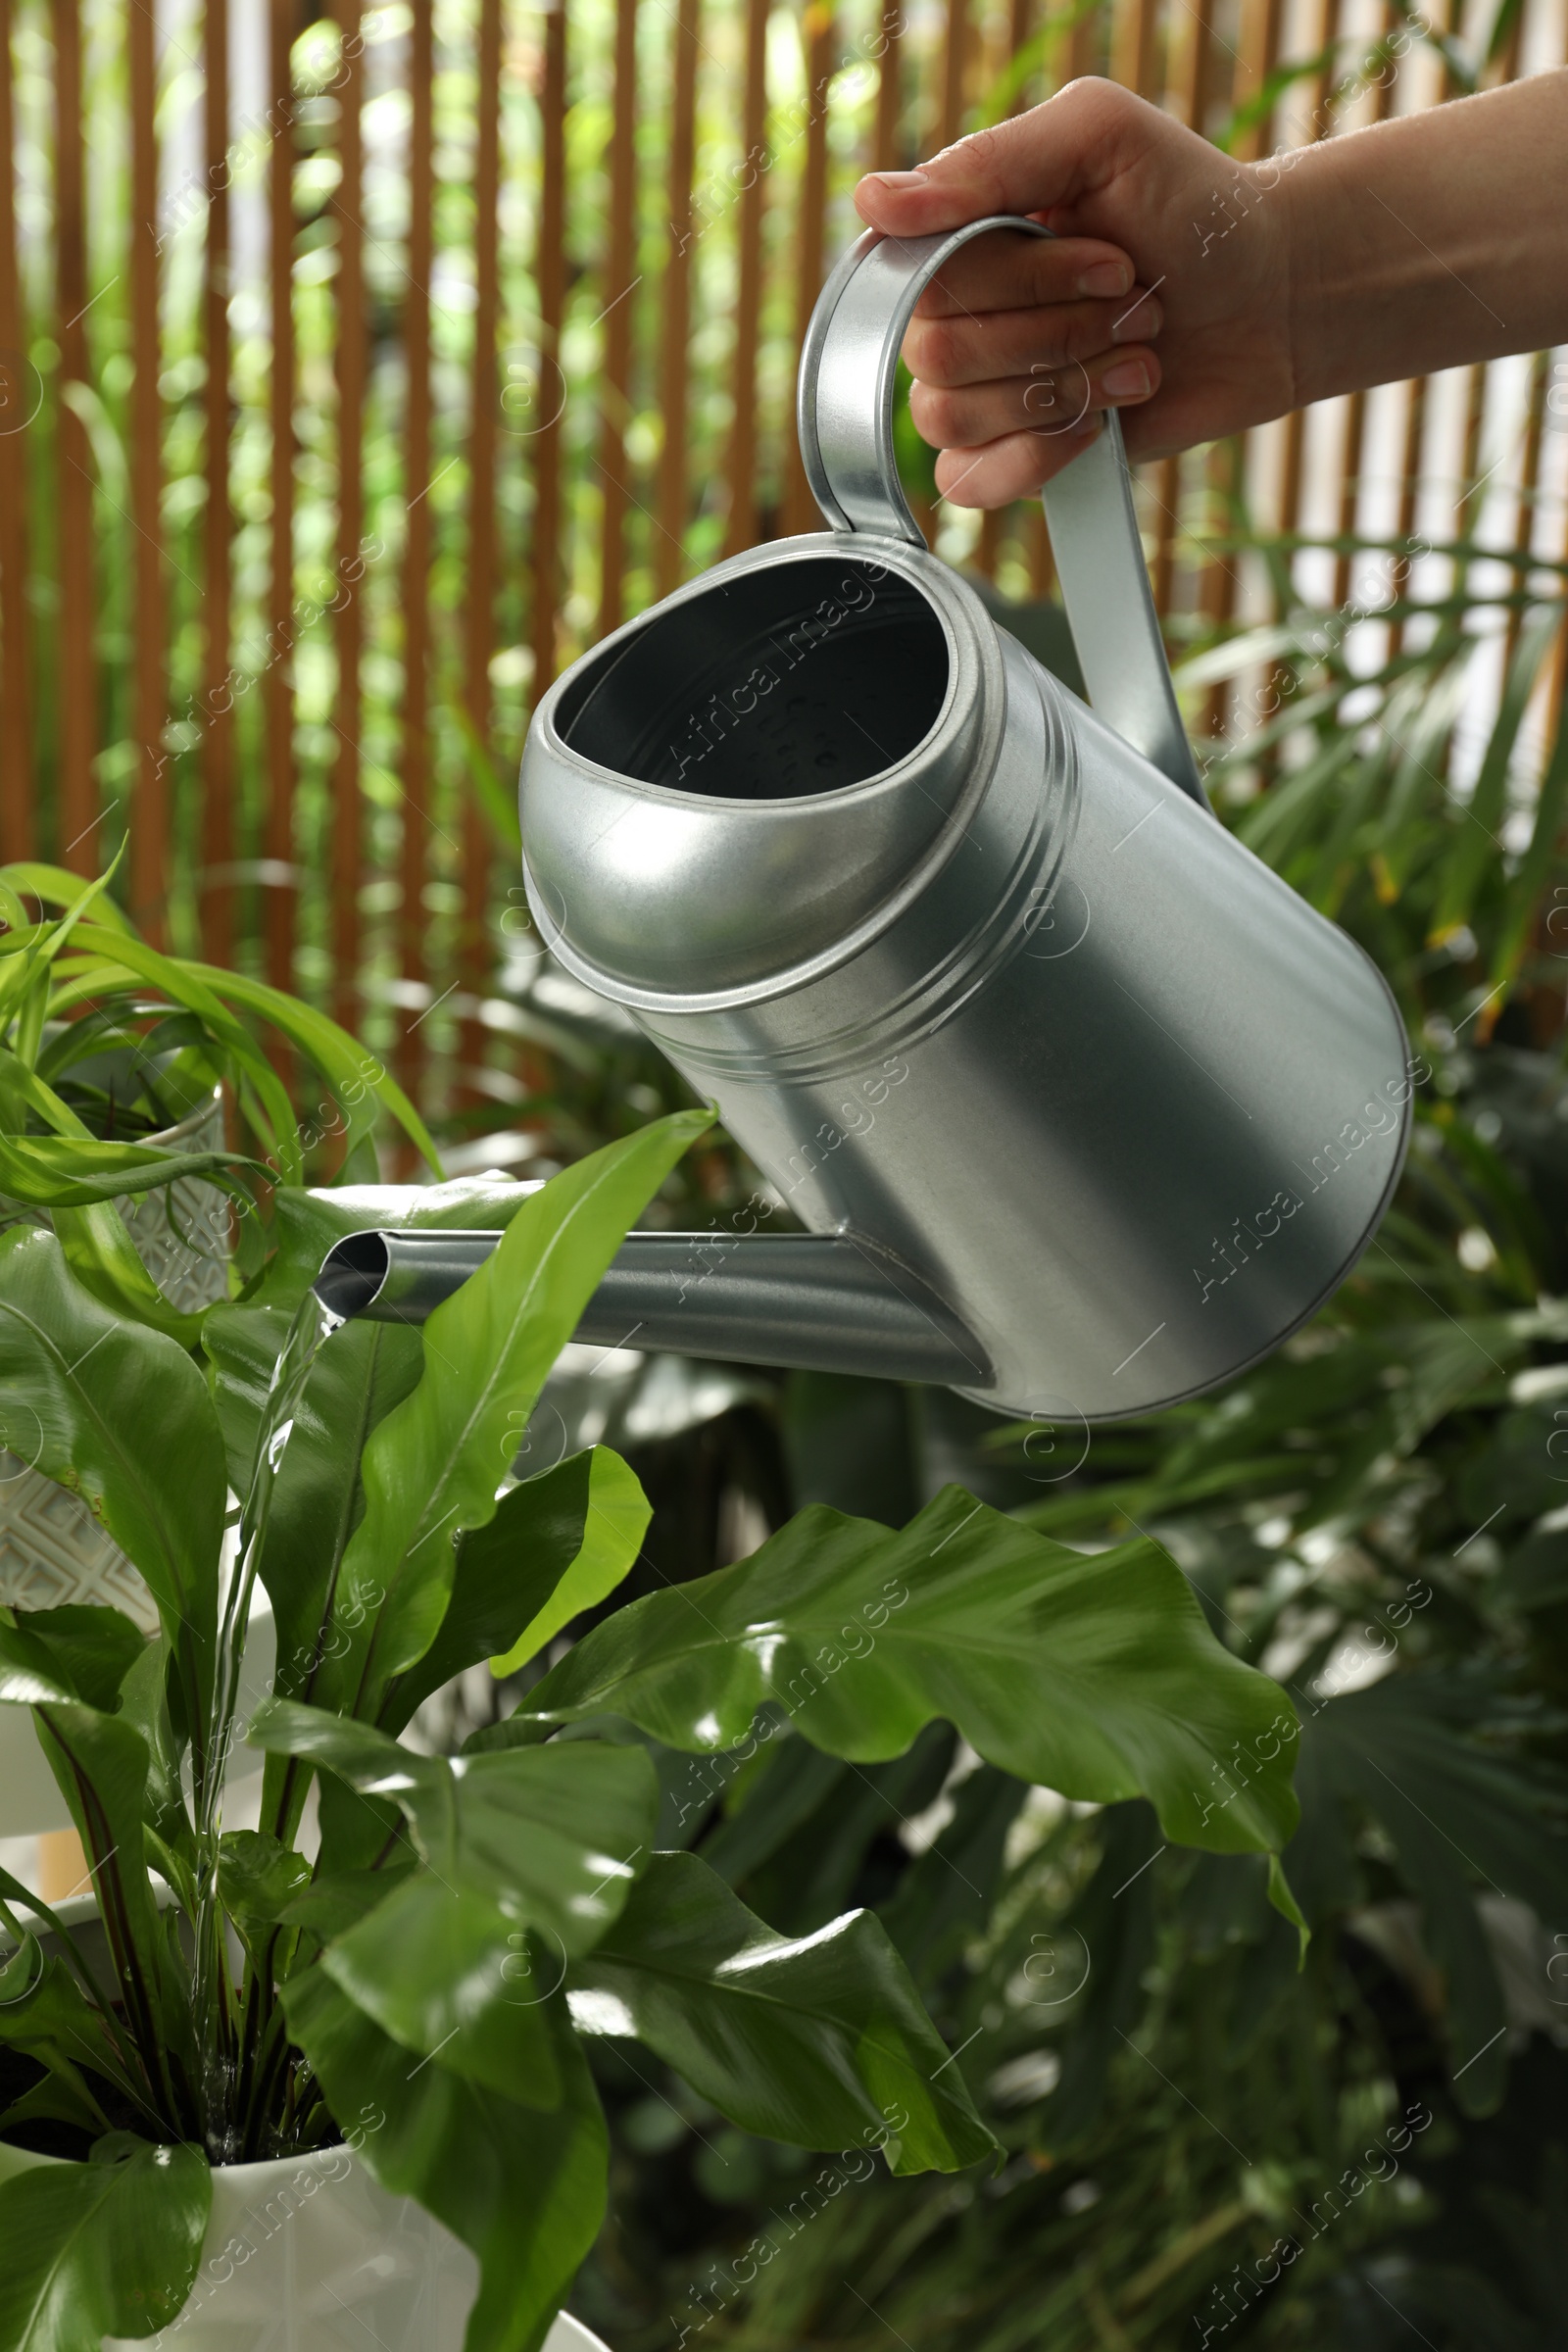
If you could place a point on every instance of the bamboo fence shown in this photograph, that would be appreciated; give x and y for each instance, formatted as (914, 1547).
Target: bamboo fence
(358, 370)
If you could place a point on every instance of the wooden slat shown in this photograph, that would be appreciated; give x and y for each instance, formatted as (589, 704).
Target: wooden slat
(1134, 46)
(218, 524)
(1524, 535)
(18, 836)
(550, 279)
(349, 364)
(1291, 455)
(1190, 63)
(887, 154)
(1357, 415)
(741, 523)
(150, 844)
(619, 271)
(1253, 62)
(800, 512)
(953, 48)
(669, 551)
(1188, 76)
(417, 543)
(278, 686)
(75, 842)
(473, 946)
(996, 523)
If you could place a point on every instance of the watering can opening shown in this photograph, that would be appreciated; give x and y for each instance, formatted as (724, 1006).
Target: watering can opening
(805, 678)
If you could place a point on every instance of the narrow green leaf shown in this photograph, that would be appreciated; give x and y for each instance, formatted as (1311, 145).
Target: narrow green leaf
(505, 1576)
(360, 1083)
(183, 984)
(101, 1767)
(615, 1523)
(432, 1468)
(61, 1172)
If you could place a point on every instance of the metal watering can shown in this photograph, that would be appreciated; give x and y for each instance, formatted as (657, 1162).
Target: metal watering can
(1083, 1108)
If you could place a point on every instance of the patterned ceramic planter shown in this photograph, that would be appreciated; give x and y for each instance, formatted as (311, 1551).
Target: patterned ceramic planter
(52, 1550)
(310, 2255)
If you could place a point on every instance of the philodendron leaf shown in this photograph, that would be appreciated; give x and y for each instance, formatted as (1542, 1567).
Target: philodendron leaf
(100, 2249)
(257, 1878)
(821, 2041)
(509, 1574)
(1095, 1675)
(522, 1868)
(121, 1415)
(1463, 1822)
(614, 1525)
(434, 1466)
(553, 1836)
(525, 2190)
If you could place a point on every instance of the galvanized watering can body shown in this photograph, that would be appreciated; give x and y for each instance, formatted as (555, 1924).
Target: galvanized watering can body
(971, 971)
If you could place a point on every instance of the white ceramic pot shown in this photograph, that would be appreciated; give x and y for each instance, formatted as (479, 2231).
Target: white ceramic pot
(311, 2255)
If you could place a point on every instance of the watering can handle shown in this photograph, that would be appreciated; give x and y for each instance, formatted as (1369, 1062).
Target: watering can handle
(845, 418)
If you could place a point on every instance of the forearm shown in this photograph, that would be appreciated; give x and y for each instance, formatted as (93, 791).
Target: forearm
(1431, 241)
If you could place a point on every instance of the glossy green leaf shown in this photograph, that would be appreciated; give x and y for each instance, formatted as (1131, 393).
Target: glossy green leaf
(1095, 1676)
(106, 953)
(1462, 1824)
(551, 1837)
(822, 2042)
(432, 1468)
(100, 2249)
(103, 1257)
(453, 1977)
(257, 1878)
(358, 1377)
(57, 886)
(101, 1766)
(616, 1521)
(44, 2011)
(361, 1083)
(110, 1409)
(506, 1576)
(80, 1651)
(525, 2190)
(56, 1171)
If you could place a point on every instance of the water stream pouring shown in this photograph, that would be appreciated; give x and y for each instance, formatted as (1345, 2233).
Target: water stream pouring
(1083, 1108)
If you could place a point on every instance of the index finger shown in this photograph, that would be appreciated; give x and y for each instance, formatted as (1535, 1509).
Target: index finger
(1010, 271)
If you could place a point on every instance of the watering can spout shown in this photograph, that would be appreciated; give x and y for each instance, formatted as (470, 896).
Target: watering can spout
(813, 1302)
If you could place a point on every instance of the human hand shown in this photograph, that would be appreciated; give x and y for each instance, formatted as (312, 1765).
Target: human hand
(1165, 296)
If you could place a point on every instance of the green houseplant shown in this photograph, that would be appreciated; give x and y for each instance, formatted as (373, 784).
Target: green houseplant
(462, 1923)
(106, 1043)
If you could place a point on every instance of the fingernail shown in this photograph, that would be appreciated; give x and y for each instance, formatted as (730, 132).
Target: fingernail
(1144, 319)
(898, 181)
(1129, 380)
(1107, 278)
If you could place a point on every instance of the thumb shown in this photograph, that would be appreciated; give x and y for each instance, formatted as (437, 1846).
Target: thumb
(1011, 169)
(1029, 164)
